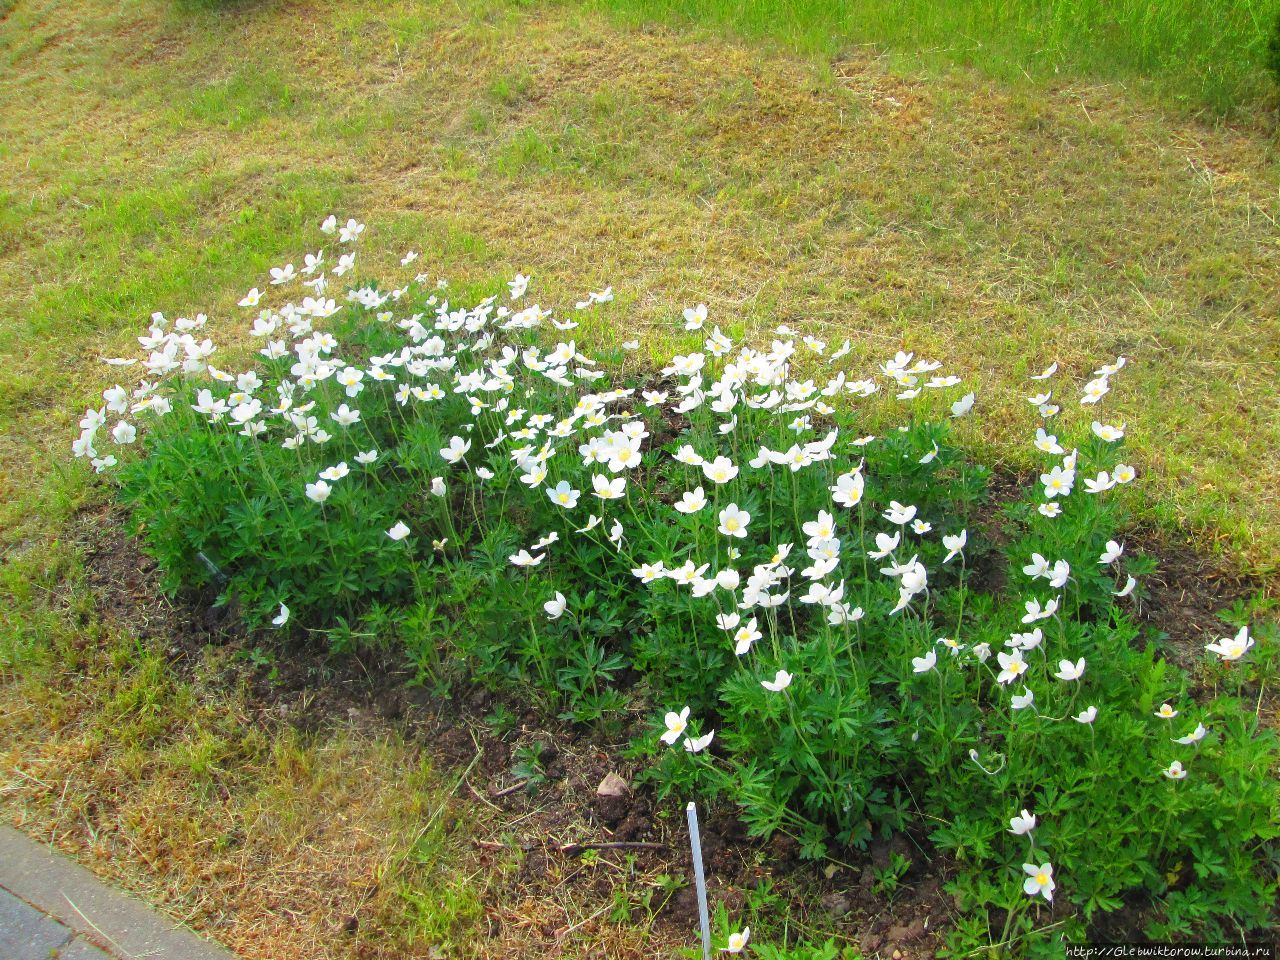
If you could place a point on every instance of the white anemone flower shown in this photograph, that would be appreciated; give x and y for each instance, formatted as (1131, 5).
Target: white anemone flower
(1070, 671)
(720, 470)
(1012, 666)
(1112, 552)
(1195, 736)
(399, 531)
(692, 501)
(899, 513)
(698, 744)
(456, 450)
(1020, 701)
(555, 607)
(924, 664)
(281, 618)
(1039, 881)
(1086, 716)
(319, 491)
(737, 941)
(955, 544)
(734, 521)
(1022, 824)
(563, 495)
(676, 724)
(781, 680)
(1231, 649)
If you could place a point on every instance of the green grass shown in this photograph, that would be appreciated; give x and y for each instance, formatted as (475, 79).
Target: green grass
(1203, 53)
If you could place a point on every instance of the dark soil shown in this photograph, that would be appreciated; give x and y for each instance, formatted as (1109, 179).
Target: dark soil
(553, 817)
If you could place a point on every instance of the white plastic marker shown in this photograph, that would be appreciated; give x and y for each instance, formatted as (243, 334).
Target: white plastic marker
(695, 843)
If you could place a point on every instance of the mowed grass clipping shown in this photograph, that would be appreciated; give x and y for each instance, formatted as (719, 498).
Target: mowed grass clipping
(1201, 53)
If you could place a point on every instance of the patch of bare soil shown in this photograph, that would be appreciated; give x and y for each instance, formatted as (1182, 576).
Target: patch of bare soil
(576, 806)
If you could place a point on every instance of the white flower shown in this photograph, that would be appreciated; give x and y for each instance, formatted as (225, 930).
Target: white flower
(1123, 473)
(1104, 431)
(692, 501)
(1195, 736)
(518, 286)
(456, 450)
(336, 472)
(251, 298)
(555, 607)
(963, 405)
(1048, 372)
(686, 454)
(1047, 443)
(606, 488)
(676, 724)
(955, 544)
(399, 531)
(737, 941)
(563, 495)
(848, 488)
(1059, 575)
(1087, 715)
(720, 470)
(781, 680)
(124, 432)
(1020, 701)
(885, 545)
(924, 664)
(695, 317)
(437, 486)
(1070, 671)
(698, 744)
(1166, 712)
(344, 416)
(1175, 771)
(319, 491)
(525, 559)
(330, 224)
(1094, 390)
(350, 232)
(1039, 880)
(281, 618)
(1127, 589)
(1012, 666)
(1230, 649)
(367, 456)
(1022, 824)
(1050, 509)
(734, 521)
(899, 514)
(1058, 482)
(1035, 612)
(745, 636)
(1038, 567)
(1112, 552)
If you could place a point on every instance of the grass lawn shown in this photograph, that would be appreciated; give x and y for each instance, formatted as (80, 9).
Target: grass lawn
(160, 156)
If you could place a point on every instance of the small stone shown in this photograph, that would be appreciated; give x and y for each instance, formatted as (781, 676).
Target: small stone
(836, 905)
(613, 786)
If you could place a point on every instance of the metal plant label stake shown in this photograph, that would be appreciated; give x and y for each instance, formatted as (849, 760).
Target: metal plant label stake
(695, 844)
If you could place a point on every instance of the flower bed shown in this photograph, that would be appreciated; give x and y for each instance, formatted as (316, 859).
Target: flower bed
(827, 624)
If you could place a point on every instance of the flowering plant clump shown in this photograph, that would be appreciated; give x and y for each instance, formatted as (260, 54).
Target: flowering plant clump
(804, 606)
